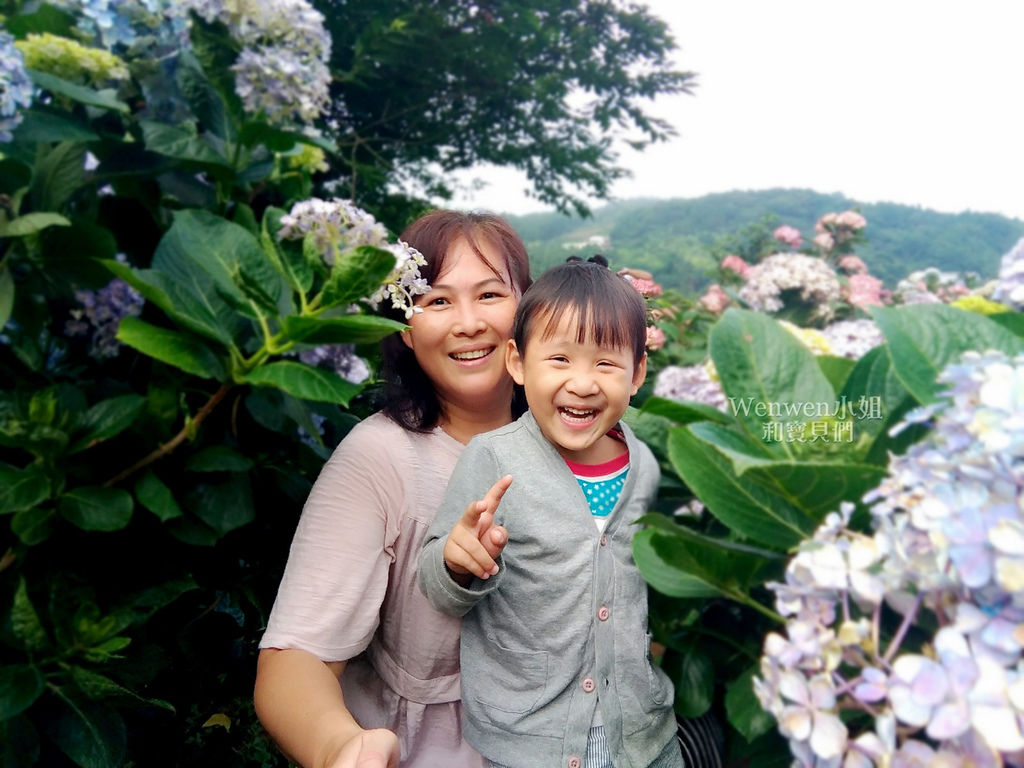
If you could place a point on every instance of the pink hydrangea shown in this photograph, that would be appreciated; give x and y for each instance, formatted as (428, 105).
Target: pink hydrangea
(864, 290)
(715, 300)
(851, 220)
(788, 235)
(736, 264)
(825, 241)
(853, 265)
(655, 338)
(647, 288)
(825, 222)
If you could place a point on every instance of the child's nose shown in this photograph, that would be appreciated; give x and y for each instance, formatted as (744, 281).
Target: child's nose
(582, 383)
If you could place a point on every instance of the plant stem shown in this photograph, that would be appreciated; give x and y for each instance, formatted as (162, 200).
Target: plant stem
(175, 441)
(897, 639)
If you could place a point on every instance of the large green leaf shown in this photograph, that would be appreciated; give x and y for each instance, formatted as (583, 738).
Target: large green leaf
(155, 496)
(171, 347)
(91, 733)
(742, 505)
(25, 623)
(357, 274)
(58, 174)
(287, 258)
(218, 458)
(97, 686)
(874, 395)
(205, 252)
(48, 126)
(106, 419)
(95, 508)
(204, 100)
(33, 526)
(684, 412)
(766, 373)
(223, 506)
(20, 686)
(194, 311)
(922, 339)
(347, 329)
(669, 578)
(304, 381)
(80, 93)
(22, 488)
(180, 144)
(31, 223)
(743, 709)
(693, 677)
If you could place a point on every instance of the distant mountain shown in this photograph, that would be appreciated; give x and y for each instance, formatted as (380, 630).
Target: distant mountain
(682, 240)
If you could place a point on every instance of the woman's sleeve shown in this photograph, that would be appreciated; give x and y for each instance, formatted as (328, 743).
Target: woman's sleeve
(336, 577)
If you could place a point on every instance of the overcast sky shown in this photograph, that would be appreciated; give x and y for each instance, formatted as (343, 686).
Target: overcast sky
(904, 101)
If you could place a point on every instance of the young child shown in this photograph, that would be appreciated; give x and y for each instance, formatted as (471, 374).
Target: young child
(555, 653)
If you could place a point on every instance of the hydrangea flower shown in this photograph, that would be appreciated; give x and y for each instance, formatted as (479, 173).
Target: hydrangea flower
(788, 236)
(16, 87)
(809, 279)
(1010, 286)
(335, 226)
(715, 300)
(340, 358)
(947, 553)
(71, 60)
(101, 314)
(691, 382)
(852, 338)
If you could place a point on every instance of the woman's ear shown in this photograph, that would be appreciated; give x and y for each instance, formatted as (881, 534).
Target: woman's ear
(514, 362)
(640, 374)
(406, 337)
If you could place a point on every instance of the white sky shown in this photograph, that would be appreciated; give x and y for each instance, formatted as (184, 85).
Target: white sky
(904, 101)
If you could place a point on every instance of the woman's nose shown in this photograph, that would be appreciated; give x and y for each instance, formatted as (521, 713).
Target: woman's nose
(468, 322)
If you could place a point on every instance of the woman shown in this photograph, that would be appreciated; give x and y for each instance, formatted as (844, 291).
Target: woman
(348, 606)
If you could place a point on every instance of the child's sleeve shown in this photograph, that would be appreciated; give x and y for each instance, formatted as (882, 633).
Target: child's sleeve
(474, 474)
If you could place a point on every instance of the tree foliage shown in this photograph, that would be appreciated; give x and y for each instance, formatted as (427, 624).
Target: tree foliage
(422, 89)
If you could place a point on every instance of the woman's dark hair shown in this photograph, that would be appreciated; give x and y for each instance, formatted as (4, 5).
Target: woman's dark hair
(409, 395)
(609, 310)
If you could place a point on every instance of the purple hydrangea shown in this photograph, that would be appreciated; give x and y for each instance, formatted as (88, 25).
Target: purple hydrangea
(16, 87)
(101, 314)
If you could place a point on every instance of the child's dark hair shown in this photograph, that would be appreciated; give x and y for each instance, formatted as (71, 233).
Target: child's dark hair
(610, 311)
(409, 395)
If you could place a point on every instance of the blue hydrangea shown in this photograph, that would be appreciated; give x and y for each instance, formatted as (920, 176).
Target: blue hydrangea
(1010, 286)
(340, 358)
(16, 87)
(101, 314)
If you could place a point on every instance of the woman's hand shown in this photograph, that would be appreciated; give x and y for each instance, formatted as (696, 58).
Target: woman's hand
(377, 748)
(475, 541)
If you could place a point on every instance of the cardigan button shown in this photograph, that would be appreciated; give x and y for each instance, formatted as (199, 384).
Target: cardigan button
(604, 540)
(574, 762)
(603, 613)
(589, 685)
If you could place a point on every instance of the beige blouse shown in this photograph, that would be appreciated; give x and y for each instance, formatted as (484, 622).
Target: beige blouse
(349, 590)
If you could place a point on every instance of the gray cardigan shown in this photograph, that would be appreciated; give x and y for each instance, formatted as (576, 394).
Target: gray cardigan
(564, 622)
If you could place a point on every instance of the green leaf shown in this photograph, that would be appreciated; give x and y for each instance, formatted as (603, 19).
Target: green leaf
(347, 329)
(155, 496)
(684, 412)
(33, 526)
(20, 686)
(106, 419)
(58, 174)
(6, 294)
(189, 309)
(223, 506)
(287, 257)
(50, 127)
(742, 505)
(79, 93)
(357, 274)
(836, 369)
(766, 373)
(668, 578)
(922, 339)
(218, 458)
(171, 347)
(874, 396)
(180, 144)
(19, 743)
(693, 677)
(22, 488)
(304, 381)
(743, 709)
(25, 623)
(97, 686)
(203, 251)
(1011, 321)
(31, 223)
(95, 508)
(92, 734)
(14, 176)
(205, 101)
(46, 19)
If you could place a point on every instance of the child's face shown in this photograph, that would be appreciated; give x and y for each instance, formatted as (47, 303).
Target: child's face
(576, 391)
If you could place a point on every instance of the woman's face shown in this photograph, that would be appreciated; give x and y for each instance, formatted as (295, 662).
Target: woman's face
(459, 338)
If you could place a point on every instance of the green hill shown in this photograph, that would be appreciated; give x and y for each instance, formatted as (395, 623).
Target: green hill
(682, 240)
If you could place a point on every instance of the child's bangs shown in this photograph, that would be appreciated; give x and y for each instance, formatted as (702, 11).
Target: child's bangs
(597, 323)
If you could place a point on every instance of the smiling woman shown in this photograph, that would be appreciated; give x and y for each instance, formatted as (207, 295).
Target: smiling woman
(348, 607)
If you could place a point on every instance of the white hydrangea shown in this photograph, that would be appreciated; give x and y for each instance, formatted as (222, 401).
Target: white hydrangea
(811, 280)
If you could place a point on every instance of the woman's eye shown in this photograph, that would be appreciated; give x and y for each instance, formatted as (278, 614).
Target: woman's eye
(439, 301)
(490, 295)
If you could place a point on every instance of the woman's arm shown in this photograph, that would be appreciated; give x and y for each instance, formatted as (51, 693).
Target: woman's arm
(299, 701)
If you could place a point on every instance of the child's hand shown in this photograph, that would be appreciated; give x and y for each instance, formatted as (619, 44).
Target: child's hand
(476, 541)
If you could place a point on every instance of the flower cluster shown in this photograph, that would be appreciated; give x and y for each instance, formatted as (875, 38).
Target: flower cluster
(282, 70)
(101, 313)
(852, 338)
(715, 299)
(124, 23)
(335, 226)
(1010, 284)
(932, 286)
(15, 86)
(695, 383)
(340, 358)
(788, 235)
(805, 278)
(913, 629)
(835, 233)
(71, 60)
